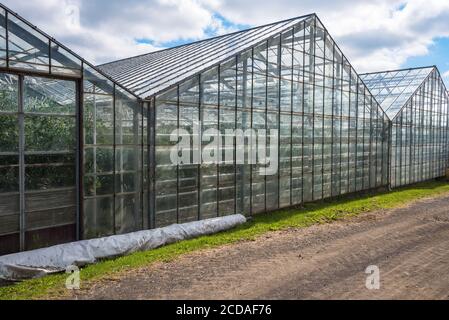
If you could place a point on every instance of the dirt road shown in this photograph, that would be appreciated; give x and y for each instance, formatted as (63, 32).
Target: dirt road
(410, 246)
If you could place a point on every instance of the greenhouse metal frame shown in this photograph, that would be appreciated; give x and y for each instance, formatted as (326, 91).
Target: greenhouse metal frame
(417, 103)
(85, 151)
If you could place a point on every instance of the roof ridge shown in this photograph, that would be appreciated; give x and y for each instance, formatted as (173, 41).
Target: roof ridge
(208, 39)
(397, 70)
(399, 98)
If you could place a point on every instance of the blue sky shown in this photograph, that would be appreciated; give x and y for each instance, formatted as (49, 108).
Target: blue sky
(374, 34)
(438, 55)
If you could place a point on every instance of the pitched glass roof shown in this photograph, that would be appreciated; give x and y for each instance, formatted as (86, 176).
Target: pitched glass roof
(24, 47)
(151, 73)
(392, 89)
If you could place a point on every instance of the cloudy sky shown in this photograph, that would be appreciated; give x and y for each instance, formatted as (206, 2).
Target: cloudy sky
(374, 34)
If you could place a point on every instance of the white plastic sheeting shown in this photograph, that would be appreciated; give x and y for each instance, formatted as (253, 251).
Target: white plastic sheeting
(38, 263)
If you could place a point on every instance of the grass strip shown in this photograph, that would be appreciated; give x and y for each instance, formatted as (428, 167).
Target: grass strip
(53, 286)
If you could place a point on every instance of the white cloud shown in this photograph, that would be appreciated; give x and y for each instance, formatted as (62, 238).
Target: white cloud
(374, 34)
(109, 30)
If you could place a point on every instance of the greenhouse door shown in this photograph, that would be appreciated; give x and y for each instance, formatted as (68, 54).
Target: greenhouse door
(38, 156)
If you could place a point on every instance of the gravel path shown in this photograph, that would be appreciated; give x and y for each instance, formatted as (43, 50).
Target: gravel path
(410, 246)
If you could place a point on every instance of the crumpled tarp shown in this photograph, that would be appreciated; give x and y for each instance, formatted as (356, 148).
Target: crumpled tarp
(38, 263)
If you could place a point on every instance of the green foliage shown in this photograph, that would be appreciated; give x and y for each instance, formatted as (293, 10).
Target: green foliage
(9, 99)
(45, 133)
(9, 133)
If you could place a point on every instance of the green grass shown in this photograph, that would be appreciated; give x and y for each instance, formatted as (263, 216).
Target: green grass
(314, 213)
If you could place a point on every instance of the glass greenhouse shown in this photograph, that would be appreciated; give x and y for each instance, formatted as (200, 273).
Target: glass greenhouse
(416, 102)
(88, 151)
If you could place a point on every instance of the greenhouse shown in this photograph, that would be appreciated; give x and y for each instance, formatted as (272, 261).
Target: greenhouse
(417, 103)
(71, 144)
(171, 136)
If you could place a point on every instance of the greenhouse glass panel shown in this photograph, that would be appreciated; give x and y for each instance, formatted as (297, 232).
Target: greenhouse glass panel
(98, 160)
(3, 45)
(63, 62)
(9, 165)
(294, 90)
(50, 160)
(27, 48)
(416, 102)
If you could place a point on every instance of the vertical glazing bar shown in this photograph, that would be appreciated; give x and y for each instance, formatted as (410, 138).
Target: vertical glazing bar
(411, 125)
(432, 136)
(440, 127)
(385, 166)
(312, 80)
(178, 114)
(382, 148)
(389, 142)
(333, 121)
(323, 112)
(356, 133)
(416, 130)
(429, 94)
(420, 136)
(200, 144)
(143, 107)
(291, 113)
(341, 119)
(401, 147)
(364, 141)
(427, 158)
(236, 169)
(7, 37)
(376, 172)
(439, 172)
(22, 217)
(279, 60)
(251, 138)
(244, 123)
(429, 132)
(424, 126)
(114, 152)
(152, 162)
(79, 155)
(369, 131)
(446, 127)
(348, 182)
(49, 56)
(220, 143)
(372, 145)
(303, 108)
(266, 117)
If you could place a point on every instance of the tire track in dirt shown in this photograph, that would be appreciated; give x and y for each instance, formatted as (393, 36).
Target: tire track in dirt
(321, 262)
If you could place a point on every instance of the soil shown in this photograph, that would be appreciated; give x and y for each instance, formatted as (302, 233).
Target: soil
(409, 246)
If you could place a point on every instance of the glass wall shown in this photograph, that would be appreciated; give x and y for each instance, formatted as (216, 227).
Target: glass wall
(332, 135)
(9, 164)
(38, 121)
(49, 128)
(73, 154)
(420, 135)
(114, 132)
(38, 145)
